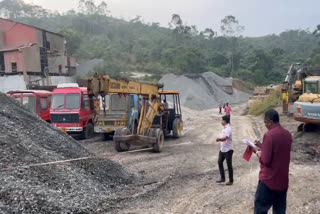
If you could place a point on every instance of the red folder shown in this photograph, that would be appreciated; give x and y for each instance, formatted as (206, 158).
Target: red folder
(248, 153)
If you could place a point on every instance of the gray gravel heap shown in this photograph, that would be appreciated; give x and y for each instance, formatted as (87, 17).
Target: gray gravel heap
(203, 91)
(77, 187)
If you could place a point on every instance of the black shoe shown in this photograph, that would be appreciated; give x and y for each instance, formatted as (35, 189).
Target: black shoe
(229, 183)
(220, 181)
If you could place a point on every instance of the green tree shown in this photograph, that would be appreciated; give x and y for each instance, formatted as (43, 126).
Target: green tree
(89, 7)
(136, 46)
(14, 9)
(73, 39)
(230, 28)
(314, 58)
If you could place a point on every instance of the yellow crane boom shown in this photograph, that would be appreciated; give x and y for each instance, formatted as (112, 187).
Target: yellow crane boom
(103, 84)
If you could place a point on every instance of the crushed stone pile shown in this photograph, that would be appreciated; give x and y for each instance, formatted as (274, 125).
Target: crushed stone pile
(84, 186)
(204, 91)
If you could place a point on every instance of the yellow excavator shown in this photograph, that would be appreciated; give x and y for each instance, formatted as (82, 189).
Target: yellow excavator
(292, 86)
(156, 119)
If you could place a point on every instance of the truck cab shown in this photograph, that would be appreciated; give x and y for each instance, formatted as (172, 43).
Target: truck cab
(70, 110)
(307, 108)
(36, 101)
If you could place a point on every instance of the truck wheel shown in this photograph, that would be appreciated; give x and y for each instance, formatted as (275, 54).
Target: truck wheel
(88, 131)
(157, 147)
(121, 146)
(176, 128)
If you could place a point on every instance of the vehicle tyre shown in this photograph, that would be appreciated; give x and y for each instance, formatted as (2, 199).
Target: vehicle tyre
(157, 147)
(176, 128)
(88, 131)
(121, 146)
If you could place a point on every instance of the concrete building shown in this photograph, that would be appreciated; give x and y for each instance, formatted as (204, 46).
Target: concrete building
(32, 55)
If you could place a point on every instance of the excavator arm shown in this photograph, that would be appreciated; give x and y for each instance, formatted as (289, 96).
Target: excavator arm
(292, 85)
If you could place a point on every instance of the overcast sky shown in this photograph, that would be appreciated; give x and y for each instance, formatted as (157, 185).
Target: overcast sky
(260, 17)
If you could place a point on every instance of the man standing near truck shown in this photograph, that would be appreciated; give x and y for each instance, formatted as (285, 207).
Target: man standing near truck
(274, 158)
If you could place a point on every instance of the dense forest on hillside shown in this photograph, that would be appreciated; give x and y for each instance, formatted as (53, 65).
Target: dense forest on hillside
(136, 46)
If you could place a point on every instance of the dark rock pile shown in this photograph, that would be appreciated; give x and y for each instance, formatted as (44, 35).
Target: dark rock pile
(84, 186)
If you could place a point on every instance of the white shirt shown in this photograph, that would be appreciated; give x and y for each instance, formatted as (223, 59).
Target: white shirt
(226, 145)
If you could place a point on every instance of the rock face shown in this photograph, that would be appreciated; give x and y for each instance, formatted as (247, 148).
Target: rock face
(204, 91)
(82, 186)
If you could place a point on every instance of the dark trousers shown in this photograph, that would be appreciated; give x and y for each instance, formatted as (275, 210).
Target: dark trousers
(229, 118)
(265, 198)
(222, 157)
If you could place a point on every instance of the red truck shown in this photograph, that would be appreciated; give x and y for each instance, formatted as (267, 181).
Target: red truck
(70, 110)
(37, 101)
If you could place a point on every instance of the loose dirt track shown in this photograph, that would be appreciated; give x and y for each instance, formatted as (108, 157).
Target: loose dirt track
(184, 173)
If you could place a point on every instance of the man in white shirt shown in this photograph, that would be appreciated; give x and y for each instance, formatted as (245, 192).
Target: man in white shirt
(226, 150)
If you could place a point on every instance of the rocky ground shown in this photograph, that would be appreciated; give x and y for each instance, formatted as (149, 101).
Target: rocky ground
(212, 88)
(181, 179)
(31, 181)
(187, 169)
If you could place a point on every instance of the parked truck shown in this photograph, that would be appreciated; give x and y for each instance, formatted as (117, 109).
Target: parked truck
(36, 101)
(70, 110)
(155, 118)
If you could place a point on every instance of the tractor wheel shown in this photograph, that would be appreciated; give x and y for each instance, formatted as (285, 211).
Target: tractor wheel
(88, 131)
(121, 146)
(157, 147)
(176, 128)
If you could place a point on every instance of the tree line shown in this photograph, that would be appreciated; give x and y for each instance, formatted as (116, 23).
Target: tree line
(135, 46)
